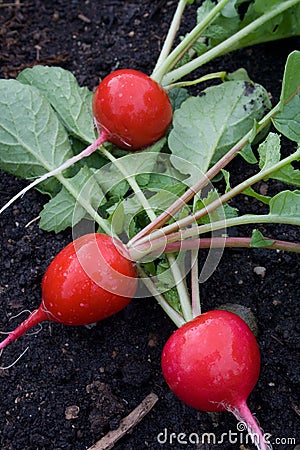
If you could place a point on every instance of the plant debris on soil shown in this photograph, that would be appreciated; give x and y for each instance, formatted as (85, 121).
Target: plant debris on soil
(75, 384)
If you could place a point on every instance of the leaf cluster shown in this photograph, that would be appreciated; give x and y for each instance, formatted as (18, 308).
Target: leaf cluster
(237, 14)
(46, 118)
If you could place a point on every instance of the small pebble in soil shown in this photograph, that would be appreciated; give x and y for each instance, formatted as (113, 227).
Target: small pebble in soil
(260, 271)
(72, 412)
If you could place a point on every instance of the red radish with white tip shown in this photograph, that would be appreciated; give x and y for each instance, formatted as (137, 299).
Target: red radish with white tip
(212, 363)
(91, 279)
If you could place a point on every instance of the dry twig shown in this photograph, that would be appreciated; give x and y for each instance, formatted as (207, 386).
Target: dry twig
(110, 439)
(7, 5)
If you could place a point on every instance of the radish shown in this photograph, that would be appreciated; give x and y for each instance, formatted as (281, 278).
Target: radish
(90, 279)
(132, 109)
(212, 363)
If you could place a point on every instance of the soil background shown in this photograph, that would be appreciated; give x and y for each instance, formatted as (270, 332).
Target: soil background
(106, 371)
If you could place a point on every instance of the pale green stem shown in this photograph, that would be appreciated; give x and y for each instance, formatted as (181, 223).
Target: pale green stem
(234, 221)
(156, 244)
(209, 76)
(174, 315)
(263, 174)
(225, 46)
(178, 278)
(132, 182)
(161, 69)
(168, 43)
(196, 303)
(181, 287)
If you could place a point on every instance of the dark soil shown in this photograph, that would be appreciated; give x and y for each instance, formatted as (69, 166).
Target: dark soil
(107, 370)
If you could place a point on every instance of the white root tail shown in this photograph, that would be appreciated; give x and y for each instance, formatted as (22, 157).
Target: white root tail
(86, 152)
(245, 417)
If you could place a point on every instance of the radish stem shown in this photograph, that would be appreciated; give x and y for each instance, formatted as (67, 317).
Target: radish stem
(139, 251)
(171, 35)
(196, 303)
(192, 218)
(177, 275)
(174, 315)
(226, 46)
(209, 76)
(86, 152)
(162, 68)
(244, 416)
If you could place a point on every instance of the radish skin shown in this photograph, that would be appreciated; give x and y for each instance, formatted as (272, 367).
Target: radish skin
(212, 363)
(89, 280)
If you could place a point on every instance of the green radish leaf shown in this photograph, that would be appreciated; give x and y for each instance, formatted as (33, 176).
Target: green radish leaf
(137, 165)
(288, 175)
(162, 199)
(261, 198)
(178, 96)
(248, 155)
(57, 214)
(32, 139)
(159, 201)
(230, 211)
(239, 75)
(229, 10)
(172, 298)
(64, 210)
(261, 5)
(165, 280)
(222, 212)
(72, 103)
(291, 77)
(269, 152)
(287, 121)
(258, 240)
(206, 7)
(226, 176)
(198, 47)
(206, 127)
(161, 181)
(117, 217)
(222, 27)
(284, 24)
(286, 203)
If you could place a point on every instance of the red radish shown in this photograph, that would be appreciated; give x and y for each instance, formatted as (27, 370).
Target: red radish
(212, 363)
(90, 279)
(132, 109)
